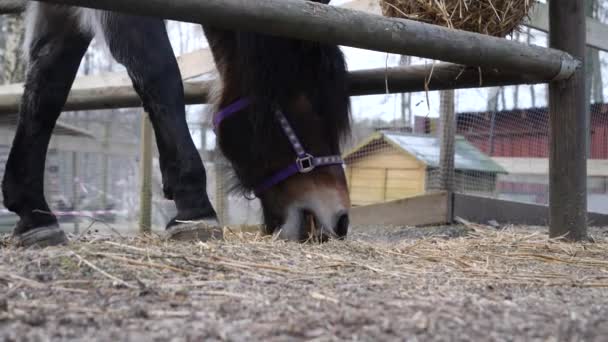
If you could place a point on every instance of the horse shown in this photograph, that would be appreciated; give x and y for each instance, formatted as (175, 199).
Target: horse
(282, 111)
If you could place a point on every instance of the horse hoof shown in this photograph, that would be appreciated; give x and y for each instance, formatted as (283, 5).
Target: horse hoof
(41, 237)
(200, 230)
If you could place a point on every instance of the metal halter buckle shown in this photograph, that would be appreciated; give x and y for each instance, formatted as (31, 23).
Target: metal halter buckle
(305, 163)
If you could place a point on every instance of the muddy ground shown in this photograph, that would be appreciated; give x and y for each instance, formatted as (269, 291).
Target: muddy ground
(429, 284)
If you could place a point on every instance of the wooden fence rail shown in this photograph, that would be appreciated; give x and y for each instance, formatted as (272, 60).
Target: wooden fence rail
(11, 6)
(414, 78)
(329, 24)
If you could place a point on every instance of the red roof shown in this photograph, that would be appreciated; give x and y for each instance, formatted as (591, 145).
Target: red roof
(520, 132)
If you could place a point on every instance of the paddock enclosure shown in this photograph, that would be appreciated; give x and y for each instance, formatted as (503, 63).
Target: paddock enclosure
(470, 157)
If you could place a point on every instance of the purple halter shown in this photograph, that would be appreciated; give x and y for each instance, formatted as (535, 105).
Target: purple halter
(304, 163)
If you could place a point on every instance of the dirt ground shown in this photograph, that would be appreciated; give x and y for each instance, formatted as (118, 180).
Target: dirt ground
(458, 283)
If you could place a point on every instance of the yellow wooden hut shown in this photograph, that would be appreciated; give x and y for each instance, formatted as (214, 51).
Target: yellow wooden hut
(393, 165)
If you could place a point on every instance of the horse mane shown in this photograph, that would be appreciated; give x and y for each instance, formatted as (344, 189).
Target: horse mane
(273, 70)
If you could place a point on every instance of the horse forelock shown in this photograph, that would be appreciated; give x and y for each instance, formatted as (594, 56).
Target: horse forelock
(276, 72)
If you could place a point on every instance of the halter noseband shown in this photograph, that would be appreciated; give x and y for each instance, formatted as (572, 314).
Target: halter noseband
(304, 163)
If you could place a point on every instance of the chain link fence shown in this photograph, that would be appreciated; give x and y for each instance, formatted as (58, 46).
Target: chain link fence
(501, 145)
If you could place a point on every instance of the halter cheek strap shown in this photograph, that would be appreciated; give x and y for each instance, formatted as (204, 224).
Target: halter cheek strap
(304, 163)
(229, 111)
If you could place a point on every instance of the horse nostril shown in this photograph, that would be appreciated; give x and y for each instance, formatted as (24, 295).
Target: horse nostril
(341, 228)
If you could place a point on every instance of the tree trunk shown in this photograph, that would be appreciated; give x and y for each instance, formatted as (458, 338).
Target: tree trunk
(597, 85)
(532, 92)
(13, 66)
(493, 95)
(594, 70)
(406, 98)
(516, 90)
(593, 73)
(516, 97)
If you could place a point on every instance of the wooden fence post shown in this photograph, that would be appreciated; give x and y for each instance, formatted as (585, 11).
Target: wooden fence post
(105, 161)
(75, 191)
(568, 126)
(221, 203)
(447, 140)
(145, 194)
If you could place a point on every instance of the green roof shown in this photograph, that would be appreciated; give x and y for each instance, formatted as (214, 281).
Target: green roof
(426, 149)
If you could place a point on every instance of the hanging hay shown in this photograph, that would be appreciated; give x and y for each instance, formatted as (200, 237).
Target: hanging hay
(497, 18)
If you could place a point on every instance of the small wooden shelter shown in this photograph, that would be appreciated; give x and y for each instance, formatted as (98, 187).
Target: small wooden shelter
(393, 165)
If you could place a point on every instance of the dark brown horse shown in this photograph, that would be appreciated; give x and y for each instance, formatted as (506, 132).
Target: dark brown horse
(282, 109)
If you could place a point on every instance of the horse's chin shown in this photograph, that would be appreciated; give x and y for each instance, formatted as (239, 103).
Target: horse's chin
(301, 226)
(291, 230)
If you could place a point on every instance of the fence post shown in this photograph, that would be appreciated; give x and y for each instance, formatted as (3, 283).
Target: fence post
(221, 203)
(447, 140)
(105, 167)
(75, 191)
(145, 167)
(568, 126)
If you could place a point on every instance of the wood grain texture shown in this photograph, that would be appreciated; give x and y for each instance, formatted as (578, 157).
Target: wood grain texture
(568, 124)
(485, 209)
(334, 25)
(427, 209)
(108, 91)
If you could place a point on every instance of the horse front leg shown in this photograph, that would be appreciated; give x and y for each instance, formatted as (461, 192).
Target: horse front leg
(142, 46)
(54, 55)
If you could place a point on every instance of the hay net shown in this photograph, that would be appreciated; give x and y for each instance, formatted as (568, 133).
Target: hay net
(497, 18)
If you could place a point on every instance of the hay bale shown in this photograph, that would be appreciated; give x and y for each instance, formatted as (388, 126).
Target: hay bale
(497, 18)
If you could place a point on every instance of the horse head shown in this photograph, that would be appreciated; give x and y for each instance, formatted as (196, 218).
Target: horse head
(280, 116)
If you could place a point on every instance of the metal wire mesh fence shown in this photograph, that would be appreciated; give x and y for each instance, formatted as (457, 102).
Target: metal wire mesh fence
(501, 144)
(514, 132)
(94, 174)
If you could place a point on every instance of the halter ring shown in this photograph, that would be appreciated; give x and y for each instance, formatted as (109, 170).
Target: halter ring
(306, 163)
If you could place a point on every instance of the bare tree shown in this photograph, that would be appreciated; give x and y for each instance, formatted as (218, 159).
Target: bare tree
(595, 91)
(495, 95)
(406, 98)
(516, 90)
(532, 92)
(13, 66)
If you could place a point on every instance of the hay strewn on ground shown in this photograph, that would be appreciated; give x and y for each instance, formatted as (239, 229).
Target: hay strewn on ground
(492, 17)
(442, 283)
